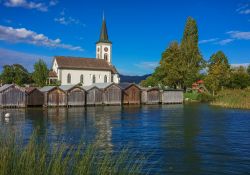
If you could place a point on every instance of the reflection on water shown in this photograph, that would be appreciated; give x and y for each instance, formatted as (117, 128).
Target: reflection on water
(179, 139)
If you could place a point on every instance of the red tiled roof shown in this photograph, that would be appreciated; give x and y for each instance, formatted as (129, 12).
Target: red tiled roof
(83, 63)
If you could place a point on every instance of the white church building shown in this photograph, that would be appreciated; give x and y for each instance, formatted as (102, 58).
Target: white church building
(74, 70)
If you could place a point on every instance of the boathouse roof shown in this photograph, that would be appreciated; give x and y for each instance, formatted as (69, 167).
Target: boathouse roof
(6, 86)
(47, 88)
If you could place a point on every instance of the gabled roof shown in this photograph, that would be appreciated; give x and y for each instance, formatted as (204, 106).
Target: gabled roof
(127, 85)
(6, 86)
(102, 85)
(29, 90)
(87, 88)
(68, 87)
(68, 62)
(47, 88)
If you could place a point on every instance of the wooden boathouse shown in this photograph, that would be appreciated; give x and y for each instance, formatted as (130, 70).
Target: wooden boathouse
(150, 95)
(54, 96)
(75, 95)
(93, 95)
(131, 93)
(34, 96)
(172, 96)
(12, 95)
(112, 93)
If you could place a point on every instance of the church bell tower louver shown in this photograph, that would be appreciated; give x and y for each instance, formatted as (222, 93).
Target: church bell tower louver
(104, 46)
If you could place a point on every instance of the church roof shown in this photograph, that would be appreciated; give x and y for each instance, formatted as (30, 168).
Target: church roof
(104, 33)
(84, 63)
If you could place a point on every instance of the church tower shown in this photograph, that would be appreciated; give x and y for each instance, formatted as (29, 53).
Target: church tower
(104, 46)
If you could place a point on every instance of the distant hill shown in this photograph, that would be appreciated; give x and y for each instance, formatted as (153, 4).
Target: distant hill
(133, 79)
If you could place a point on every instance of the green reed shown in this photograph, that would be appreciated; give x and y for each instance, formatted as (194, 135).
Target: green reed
(37, 157)
(235, 98)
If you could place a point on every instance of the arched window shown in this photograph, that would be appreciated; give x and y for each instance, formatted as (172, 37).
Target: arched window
(93, 79)
(98, 55)
(69, 79)
(106, 57)
(81, 79)
(105, 79)
(112, 78)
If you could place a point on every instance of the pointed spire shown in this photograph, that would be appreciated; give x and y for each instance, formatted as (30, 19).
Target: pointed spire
(104, 32)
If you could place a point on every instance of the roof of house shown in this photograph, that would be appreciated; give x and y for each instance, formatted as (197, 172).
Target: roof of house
(68, 87)
(84, 63)
(126, 85)
(47, 88)
(98, 85)
(102, 85)
(86, 88)
(5, 86)
(52, 74)
(28, 90)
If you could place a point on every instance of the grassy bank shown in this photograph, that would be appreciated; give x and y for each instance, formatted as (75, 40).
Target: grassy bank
(197, 97)
(39, 158)
(233, 99)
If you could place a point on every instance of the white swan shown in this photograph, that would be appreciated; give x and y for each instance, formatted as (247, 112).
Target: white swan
(7, 115)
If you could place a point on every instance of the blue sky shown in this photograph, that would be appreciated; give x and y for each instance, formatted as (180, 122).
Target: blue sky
(139, 29)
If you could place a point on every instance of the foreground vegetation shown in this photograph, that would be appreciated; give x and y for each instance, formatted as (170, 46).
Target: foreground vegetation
(236, 98)
(37, 157)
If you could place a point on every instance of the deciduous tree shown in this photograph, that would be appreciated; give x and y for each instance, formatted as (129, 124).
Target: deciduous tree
(218, 72)
(40, 73)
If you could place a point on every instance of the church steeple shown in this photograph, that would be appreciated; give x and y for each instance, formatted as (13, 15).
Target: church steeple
(104, 33)
(104, 46)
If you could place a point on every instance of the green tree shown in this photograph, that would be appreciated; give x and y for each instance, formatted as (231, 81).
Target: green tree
(239, 79)
(191, 56)
(180, 66)
(40, 73)
(218, 72)
(15, 73)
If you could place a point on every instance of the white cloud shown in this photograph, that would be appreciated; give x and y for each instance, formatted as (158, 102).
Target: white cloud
(239, 35)
(26, 4)
(26, 59)
(22, 35)
(67, 20)
(208, 40)
(243, 9)
(53, 2)
(147, 65)
(225, 41)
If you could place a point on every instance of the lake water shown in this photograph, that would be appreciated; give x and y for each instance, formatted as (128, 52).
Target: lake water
(180, 139)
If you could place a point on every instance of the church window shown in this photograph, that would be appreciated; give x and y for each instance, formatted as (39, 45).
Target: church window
(112, 78)
(106, 57)
(105, 79)
(93, 79)
(81, 79)
(69, 79)
(98, 56)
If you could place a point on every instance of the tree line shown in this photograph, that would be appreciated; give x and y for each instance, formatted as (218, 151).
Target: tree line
(182, 64)
(19, 75)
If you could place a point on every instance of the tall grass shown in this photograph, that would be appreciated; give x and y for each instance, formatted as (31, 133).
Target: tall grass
(234, 98)
(37, 157)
